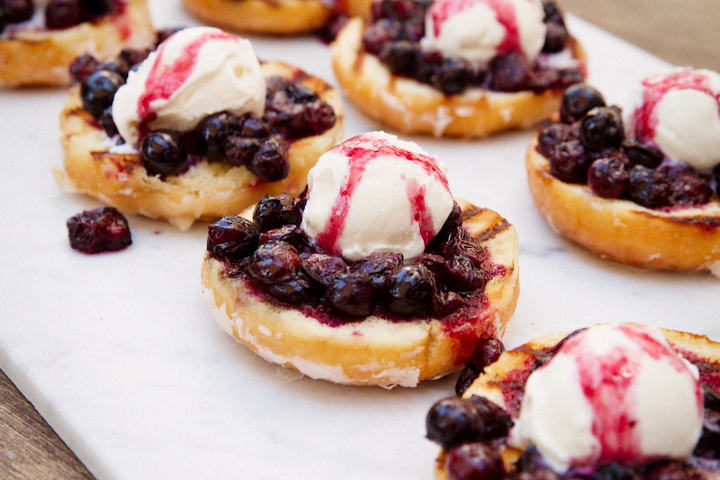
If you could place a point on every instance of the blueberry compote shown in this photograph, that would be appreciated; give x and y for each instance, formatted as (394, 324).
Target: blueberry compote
(397, 26)
(589, 147)
(57, 14)
(473, 431)
(292, 111)
(101, 230)
(275, 256)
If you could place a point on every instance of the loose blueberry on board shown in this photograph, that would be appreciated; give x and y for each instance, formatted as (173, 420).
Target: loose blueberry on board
(101, 230)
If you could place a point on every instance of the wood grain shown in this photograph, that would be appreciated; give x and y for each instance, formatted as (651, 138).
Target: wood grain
(680, 31)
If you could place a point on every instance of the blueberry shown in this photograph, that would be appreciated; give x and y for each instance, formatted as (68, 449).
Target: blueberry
(474, 461)
(240, 150)
(649, 188)
(322, 268)
(232, 237)
(641, 154)
(453, 76)
(608, 177)
(273, 262)
(101, 230)
(602, 127)
(569, 162)
(98, 91)
(378, 265)
(578, 100)
(161, 153)
(690, 190)
(551, 136)
(510, 72)
(409, 290)
(61, 14)
(400, 57)
(82, 67)
(297, 290)
(555, 38)
(275, 211)
(17, 11)
(270, 162)
(487, 352)
(351, 294)
(212, 131)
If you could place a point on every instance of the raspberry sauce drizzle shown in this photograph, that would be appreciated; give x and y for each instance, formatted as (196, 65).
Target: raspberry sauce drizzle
(163, 81)
(360, 154)
(654, 90)
(504, 13)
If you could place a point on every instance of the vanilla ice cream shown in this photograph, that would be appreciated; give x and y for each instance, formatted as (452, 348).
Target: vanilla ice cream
(376, 193)
(679, 113)
(478, 30)
(614, 393)
(194, 73)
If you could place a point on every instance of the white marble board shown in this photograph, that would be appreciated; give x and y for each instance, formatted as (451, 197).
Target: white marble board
(120, 355)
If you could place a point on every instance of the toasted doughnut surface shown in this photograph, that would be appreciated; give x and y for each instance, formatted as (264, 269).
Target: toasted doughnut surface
(373, 351)
(280, 17)
(412, 107)
(514, 366)
(623, 231)
(206, 190)
(43, 57)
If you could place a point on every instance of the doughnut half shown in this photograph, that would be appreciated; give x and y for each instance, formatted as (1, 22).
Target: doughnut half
(43, 57)
(413, 107)
(373, 351)
(623, 231)
(206, 191)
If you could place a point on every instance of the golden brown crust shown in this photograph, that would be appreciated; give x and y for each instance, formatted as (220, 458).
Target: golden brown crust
(623, 231)
(412, 107)
(207, 190)
(522, 359)
(373, 351)
(279, 17)
(44, 57)
(275, 17)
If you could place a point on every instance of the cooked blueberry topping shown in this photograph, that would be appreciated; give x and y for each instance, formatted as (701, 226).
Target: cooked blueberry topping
(690, 190)
(296, 290)
(100, 230)
(595, 151)
(232, 237)
(409, 290)
(569, 162)
(82, 67)
(276, 211)
(98, 91)
(61, 14)
(351, 294)
(322, 268)
(274, 262)
(609, 177)
(672, 470)
(602, 127)
(377, 284)
(95, 8)
(649, 188)
(212, 132)
(474, 461)
(488, 352)
(105, 120)
(378, 265)
(161, 153)
(115, 64)
(641, 154)
(394, 36)
(579, 100)
(17, 11)
(270, 161)
(240, 150)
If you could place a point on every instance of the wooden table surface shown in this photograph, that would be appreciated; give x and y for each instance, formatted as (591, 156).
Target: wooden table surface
(683, 32)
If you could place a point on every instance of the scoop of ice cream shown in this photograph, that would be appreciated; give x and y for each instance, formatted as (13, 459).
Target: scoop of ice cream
(614, 393)
(478, 30)
(376, 193)
(680, 113)
(194, 73)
